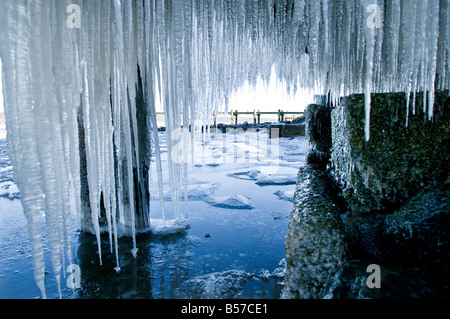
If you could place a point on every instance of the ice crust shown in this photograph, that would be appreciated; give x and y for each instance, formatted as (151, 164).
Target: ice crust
(234, 201)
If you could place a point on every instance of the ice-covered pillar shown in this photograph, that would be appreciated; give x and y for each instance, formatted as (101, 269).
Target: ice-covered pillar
(318, 130)
(141, 145)
(142, 192)
(398, 160)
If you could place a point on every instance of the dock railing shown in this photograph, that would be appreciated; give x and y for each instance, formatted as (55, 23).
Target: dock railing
(256, 115)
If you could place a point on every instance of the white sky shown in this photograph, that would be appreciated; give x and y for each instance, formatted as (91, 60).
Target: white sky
(264, 98)
(269, 98)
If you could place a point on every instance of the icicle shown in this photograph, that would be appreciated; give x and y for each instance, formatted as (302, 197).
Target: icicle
(369, 53)
(432, 41)
(19, 105)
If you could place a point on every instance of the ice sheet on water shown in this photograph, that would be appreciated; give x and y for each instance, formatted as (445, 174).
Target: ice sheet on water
(264, 274)
(196, 192)
(265, 179)
(247, 175)
(279, 215)
(9, 190)
(225, 285)
(285, 195)
(160, 227)
(280, 270)
(276, 179)
(234, 201)
(218, 285)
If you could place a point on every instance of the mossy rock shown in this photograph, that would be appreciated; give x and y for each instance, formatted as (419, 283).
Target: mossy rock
(398, 159)
(316, 243)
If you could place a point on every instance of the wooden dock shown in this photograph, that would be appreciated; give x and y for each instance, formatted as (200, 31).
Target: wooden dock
(233, 115)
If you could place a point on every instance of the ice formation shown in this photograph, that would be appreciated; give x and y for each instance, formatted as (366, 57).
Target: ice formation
(63, 56)
(234, 201)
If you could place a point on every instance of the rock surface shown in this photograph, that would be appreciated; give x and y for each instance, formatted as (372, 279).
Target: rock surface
(395, 282)
(287, 130)
(318, 130)
(316, 246)
(396, 213)
(419, 231)
(398, 159)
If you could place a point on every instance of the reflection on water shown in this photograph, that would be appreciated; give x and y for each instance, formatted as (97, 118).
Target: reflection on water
(161, 267)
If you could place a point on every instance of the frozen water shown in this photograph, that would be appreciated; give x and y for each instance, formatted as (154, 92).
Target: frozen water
(196, 191)
(248, 175)
(266, 179)
(280, 179)
(161, 227)
(223, 285)
(9, 190)
(280, 270)
(234, 201)
(285, 194)
(248, 240)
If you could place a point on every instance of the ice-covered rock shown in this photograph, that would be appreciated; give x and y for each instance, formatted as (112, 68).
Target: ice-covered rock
(418, 232)
(218, 285)
(316, 245)
(264, 274)
(404, 153)
(287, 130)
(234, 201)
(280, 271)
(318, 131)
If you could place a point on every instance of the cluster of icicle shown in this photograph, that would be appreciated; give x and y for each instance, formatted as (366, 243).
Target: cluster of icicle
(192, 54)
